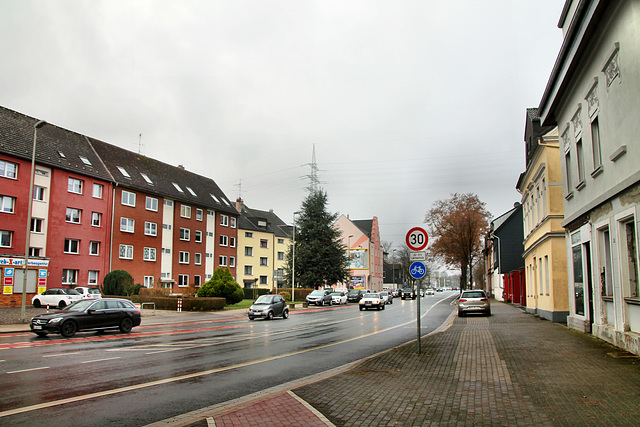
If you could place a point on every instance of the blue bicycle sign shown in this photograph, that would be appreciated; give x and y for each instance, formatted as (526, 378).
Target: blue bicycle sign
(417, 270)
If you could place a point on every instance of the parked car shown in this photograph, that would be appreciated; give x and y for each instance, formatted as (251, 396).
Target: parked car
(355, 295)
(88, 314)
(57, 297)
(268, 307)
(372, 300)
(429, 292)
(473, 302)
(319, 298)
(397, 293)
(89, 292)
(338, 298)
(408, 293)
(387, 296)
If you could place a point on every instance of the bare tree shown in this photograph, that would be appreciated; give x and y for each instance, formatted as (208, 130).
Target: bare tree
(456, 227)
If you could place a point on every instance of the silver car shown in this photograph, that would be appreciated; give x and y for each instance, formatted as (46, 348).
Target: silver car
(319, 297)
(269, 306)
(475, 301)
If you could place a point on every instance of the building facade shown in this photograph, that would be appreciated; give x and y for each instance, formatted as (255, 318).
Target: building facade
(592, 97)
(361, 238)
(544, 240)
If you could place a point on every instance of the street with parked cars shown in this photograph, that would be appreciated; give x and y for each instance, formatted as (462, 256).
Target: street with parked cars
(56, 297)
(473, 301)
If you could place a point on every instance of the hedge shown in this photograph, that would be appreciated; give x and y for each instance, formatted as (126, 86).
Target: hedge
(188, 304)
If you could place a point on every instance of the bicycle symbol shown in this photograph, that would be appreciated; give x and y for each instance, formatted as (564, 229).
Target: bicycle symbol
(417, 270)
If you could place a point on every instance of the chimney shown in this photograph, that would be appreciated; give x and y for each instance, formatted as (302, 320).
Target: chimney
(239, 204)
(181, 167)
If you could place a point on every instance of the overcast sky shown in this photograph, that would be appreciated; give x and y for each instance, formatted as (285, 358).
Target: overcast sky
(405, 101)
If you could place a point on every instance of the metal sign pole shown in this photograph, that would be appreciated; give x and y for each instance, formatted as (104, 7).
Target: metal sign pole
(418, 296)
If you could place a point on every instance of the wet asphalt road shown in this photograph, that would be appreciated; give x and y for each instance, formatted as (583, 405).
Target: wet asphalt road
(160, 371)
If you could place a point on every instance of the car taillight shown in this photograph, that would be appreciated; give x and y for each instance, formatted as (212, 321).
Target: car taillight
(463, 300)
(484, 299)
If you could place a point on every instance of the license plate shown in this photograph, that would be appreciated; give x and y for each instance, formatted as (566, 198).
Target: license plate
(37, 327)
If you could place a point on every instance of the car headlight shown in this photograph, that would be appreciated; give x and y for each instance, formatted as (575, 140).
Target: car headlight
(55, 320)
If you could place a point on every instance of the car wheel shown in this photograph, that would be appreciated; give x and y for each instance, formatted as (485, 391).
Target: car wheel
(251, 317)
(361, 308)
(36, 303)
(285, 314)
(460, 313)
(68, 329)
(383, 307)
(488, 312)
(269, 315)
(62, 304)
(41, 334)
(125, 325)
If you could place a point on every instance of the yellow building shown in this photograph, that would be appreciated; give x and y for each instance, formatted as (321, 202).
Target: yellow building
(544, 238)
(263, 241)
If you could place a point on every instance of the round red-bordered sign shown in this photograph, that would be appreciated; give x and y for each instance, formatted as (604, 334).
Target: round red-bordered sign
(417, 239)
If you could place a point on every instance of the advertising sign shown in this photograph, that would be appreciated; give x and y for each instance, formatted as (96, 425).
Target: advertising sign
(357, 259)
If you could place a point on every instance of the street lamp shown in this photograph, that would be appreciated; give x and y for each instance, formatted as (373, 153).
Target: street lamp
(349, 260)
(293, 264)
(23, 309)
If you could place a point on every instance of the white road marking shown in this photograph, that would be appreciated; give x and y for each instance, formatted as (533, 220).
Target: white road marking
(27, 370)
(59, 355)
(100, 360)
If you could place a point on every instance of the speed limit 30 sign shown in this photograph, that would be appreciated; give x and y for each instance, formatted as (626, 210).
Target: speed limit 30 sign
(417, 239)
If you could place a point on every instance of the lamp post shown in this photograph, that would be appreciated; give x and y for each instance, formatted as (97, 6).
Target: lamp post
(293, 263)
(27, 242)
(349, 260)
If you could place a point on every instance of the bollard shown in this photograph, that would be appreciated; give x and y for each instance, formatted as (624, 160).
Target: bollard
(47, 308)
(179, 305)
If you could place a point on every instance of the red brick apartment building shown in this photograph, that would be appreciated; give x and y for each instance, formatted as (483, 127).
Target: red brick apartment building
(98, 208)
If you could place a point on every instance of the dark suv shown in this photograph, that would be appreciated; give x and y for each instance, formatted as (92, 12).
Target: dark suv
(355, 295)
(408, 293)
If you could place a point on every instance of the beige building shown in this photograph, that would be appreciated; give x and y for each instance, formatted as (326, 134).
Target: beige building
(547, 293)
(263, 241)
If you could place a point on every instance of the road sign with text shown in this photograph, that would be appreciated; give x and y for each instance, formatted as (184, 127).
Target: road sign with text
(417, 239)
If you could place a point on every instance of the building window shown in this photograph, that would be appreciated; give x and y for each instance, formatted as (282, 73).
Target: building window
(198, 236)
(8, 169)
(94, 248)
(38, 193)
(222, 261)
(152, 204)
(73, 215)
(150, 228)
(232, 222)
(197, 281)
(232, 242)
(567, 164)
(224, 240)
(595, 144)
(185, 211)
(71, 246)
(183, 280)
(97, 191)
(197, 258)
(69, 276)
(224, 220)
(127, 225)
(5, 238)
(281, 241)
(36, 225)
(232, 261)
(93, 277)
(129, 199)
(96, 219)
(248, 251)
(7, 204)
(280, 256)
(74, 186)
(264, 261)
(149, 254)
(146, 178)
(148, 281)
(185, 234)
(124, 172)
(264, 243)
(248, 234)
(605, 263)
(248, 270)
(35, 252)
(580, 156)
(578, 279)
(198, 214)
(263, 280)
(546, 275)
(126, 251)
(184, 257)
(629, 259)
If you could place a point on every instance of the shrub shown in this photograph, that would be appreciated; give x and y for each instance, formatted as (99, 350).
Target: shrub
(286, 295)
(154, 292)
(222, 285)
(118, 282)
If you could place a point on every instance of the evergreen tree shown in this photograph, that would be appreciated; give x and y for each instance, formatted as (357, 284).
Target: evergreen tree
(320, 256)
(222, 285)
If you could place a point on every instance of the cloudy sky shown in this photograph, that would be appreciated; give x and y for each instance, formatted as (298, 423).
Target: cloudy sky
(405, 101)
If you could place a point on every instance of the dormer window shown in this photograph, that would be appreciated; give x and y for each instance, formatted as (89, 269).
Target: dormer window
(146, 178)
(193, 193)
(124, 172)
(214, 198)
(85, 161)
(177, 187)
